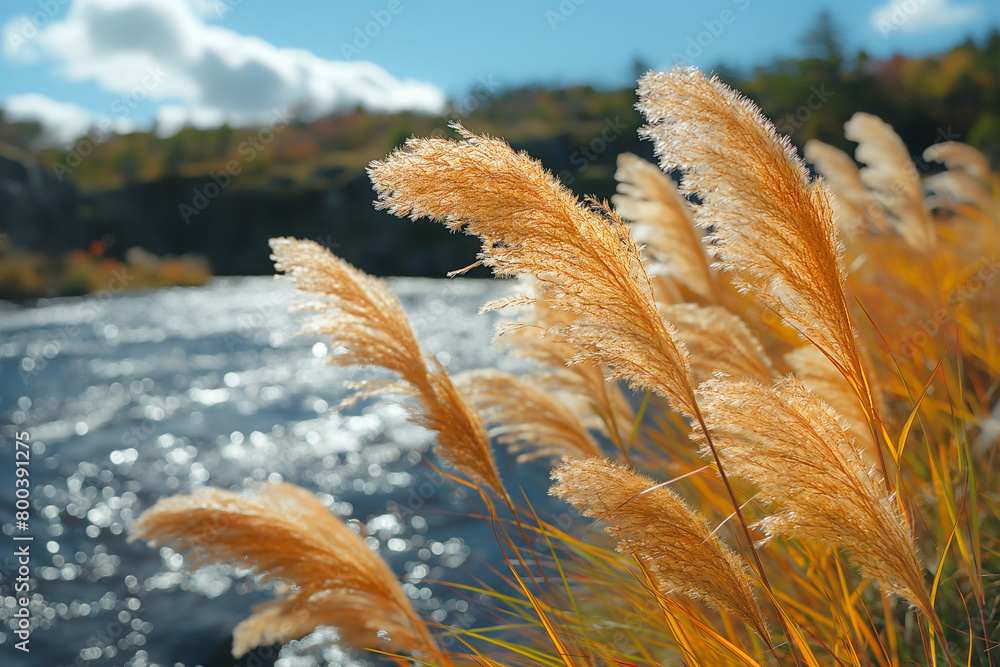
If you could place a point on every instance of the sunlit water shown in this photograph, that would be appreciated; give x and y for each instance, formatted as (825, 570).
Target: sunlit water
(139, 396)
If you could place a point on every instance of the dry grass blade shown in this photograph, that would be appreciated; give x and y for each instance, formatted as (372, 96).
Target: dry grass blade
(858, 210)
(892, 175)
(668, 537)
(796, 449)
(284, 534)
(528, 419)
(582, 256)
(718, 341)
(772, 227)
(661, 219)
(360, 313)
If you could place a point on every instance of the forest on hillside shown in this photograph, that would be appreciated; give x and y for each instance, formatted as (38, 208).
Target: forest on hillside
(221, 193)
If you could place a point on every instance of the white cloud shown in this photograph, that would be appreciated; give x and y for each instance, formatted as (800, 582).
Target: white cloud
(915, 16)
(163, 50)
(64, 123)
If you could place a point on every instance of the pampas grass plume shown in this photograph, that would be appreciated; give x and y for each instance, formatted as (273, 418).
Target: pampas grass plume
(718, 341)
(360, 313)
(665, 535)
(662, 220)
(584, 379)
(529, 420)
(802, 457)
(772, 227)
(582, 256)
(284, 534)
(858, 210)
(890, 172)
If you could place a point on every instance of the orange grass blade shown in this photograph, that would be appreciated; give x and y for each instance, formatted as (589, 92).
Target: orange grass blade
(709, 631)
(678, 632)
(940, 569)
(890, 630)
(543, 617)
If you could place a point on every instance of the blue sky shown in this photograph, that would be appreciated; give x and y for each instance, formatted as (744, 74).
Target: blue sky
(124, 63)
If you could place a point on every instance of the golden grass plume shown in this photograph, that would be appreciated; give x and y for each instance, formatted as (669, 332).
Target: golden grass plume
(668, 538)
(718, 341)
(891, 174)
(360, 313)
(858, 210)
(772, 227)
(661, 219)
(326, 575)
(959, 156)
(583, 258)
(817, 374)
(530, 420)
(610, 410)
(965, 181)
(799, 453)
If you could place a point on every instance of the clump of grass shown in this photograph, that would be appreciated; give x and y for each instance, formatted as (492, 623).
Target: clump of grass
(802, 397)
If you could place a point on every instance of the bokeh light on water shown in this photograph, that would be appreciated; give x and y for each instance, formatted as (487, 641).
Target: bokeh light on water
(146, 395)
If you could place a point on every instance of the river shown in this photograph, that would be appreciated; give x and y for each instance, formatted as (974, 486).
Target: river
(131, 397)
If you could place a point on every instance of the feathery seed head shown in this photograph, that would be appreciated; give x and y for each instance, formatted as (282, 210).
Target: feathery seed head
(582, 256)
(821, 377)
(718, 342)
(609, 409)
(284, 534)
(661, 219)
(771, 226)
(892, 175)
(360, 313)
(530, 420)
(966, 181)
(666, 536)
(858, 208)
(956, 155)
(799, 453)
